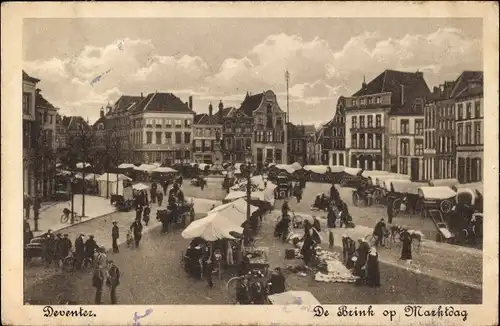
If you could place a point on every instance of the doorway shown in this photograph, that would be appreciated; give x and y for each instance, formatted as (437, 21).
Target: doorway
(414, 169)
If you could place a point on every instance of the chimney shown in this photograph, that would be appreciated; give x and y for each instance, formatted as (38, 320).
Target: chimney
(402, 94)
(419, 74)
(142, 95)
(435, 91)
(102, 112)
(363, 85)
(191, 102)
(210, 109)
(221, 113)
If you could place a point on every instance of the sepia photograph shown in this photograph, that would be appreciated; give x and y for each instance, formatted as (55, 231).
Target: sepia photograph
(253, 161)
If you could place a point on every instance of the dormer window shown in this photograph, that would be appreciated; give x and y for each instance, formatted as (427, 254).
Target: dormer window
(353, 102)
(377, 100)
(363, 101)
(369, 100)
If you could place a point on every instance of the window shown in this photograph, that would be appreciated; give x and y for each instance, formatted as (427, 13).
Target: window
(477, 109)
(468, 134)
(168, 138)
(449, 144)
(149, 137)
(278, 156)
(238, 130)
(178, 138)
(178, 123)
(369, 100)
(419, 147)
(370, 141)
(296, 146)
(353, 102)
(362, 121)
(378, 120)
(403, 165)
(405, 126)
(362, 141)
(362, 101)
(248, 143)
(158, 138)
(405, 147)
(460, 111)
(279, 136)
(207, 145)
(198, 132)
(259, 136)
(378, 141)
(354, 141)
(269, 155)
(187, 123)
(26, 103)
(477, 133)
(269, 137)
(377, 100)
(158, 123)
(354, 122)
(149, 123)
(279, 123)
(419, 127)
(370, 121)
(468, 109)
(460, 132)
(187, 137)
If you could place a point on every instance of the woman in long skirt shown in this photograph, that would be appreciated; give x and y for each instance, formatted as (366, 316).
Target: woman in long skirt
(372, 269)
(406, 247)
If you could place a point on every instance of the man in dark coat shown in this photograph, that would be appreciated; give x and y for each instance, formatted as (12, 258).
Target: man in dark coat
(50, 247)
(136, 228)
(115, 234)
(331, 218)
(79, 251)
(146, 213)
(98, 282)
(57, 250)
(378, 232)
(316, 224)
(298, 192)
(153, 192)
(138, 213)
(113, 280)
(334, 194)
(90, 247)
(27, 206)
(159, 196)
(285, 208)
(362, 256)
(65, 246)
(243, 292)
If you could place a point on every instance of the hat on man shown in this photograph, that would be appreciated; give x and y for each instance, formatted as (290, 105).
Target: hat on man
(65, 235)
(91, 236)
(115, 222)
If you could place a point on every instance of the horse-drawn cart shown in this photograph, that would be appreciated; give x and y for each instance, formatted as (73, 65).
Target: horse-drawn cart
(437, 203)
(182, 215)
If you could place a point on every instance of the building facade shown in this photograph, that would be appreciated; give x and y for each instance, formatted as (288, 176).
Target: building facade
(206, 131)
(29, 132)
(46, 121)
(378, 119)
(161, 130)
(468, 96)
(237, 134)
(297, 144)
(439, 134)
(310, 139)
(118, 125)
(334, 136)
(270, 131)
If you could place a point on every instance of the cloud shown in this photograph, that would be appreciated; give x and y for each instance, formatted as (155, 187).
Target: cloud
(319, 73)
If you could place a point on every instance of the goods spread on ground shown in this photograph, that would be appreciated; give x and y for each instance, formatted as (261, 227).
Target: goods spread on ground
(335, 270)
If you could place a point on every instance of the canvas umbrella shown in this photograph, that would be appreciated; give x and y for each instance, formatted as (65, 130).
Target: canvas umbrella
(212, 227)
(140, 186)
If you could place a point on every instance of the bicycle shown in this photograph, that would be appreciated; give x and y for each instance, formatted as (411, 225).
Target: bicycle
(65, 217)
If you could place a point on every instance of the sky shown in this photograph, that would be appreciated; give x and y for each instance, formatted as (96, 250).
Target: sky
(84, 63)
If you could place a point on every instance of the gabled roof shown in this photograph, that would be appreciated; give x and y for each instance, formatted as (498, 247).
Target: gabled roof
(339, 110)
(309, 129)
(72, 122)
(251, 103)
(227, 112)
(205, 119)
(42, 103)
(161, 102)
(414, 87)
(462, 84)
(125, 103)
(100, 120)
(29, 78)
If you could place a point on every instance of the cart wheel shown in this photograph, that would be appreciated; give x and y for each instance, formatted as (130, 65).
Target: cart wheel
(64, 218)
(396, 204)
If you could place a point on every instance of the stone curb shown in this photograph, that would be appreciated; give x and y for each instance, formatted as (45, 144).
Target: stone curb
(75, 224)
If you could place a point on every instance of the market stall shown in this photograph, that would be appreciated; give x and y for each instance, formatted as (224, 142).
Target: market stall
(112, 184)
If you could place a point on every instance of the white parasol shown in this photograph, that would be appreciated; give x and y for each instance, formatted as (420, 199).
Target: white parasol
(213, 227)
(164, 170)
(236, 209)
(140, 186)
(112, 177)
(126, 166)
(81, 165)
